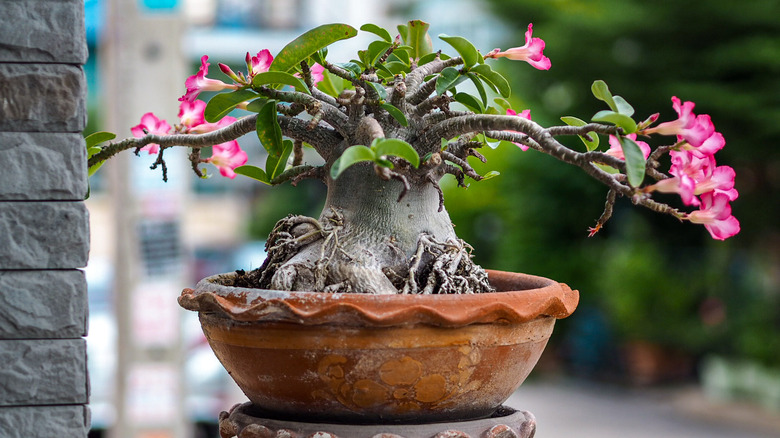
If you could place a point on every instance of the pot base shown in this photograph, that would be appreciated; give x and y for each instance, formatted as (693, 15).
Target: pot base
(246, 421)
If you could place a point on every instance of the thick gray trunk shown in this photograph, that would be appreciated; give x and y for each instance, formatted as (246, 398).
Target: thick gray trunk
(373, 235)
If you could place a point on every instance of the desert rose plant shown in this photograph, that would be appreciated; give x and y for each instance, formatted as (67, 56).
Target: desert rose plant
(388, 125)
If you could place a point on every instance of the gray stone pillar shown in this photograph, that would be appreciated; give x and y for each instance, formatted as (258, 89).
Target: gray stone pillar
(44, 226)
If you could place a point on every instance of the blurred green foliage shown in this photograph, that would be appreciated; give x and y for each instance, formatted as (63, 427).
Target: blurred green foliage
(657, 279)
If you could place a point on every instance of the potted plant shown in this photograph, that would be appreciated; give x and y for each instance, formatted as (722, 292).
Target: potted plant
(382, 270)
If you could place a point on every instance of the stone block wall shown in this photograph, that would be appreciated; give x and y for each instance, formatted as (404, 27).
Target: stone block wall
(44, 226)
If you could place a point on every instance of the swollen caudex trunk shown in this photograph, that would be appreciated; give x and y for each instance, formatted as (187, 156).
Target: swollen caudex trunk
(367, 241)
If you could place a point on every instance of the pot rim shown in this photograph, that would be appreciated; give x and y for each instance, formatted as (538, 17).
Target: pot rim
(519, 298)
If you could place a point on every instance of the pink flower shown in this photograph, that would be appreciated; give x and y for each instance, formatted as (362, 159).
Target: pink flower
(526, 114)
(227, 156)
(713, 144)
(718, 179)
(199, 82)
(317, 73)
(694, 175)
(688, 126)
(616, 150)
(191, 113)
(687, 169)
(229, 72)
(259, 63)
(152, 125)
(208, 127)
(715, 215)
(531, 52)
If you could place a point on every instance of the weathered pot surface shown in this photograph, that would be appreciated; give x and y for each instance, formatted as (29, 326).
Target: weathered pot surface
(376, 358)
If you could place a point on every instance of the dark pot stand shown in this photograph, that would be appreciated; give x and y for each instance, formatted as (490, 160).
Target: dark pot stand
(243, 422)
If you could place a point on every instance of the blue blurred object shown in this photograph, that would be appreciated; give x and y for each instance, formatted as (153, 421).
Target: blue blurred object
(93, 20)
(159, 5)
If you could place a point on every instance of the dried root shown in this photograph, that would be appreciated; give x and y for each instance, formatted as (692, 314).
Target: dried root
(435, 268)
(444, 268)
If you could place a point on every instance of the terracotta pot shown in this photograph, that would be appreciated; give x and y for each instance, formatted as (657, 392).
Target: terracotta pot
(380, 359)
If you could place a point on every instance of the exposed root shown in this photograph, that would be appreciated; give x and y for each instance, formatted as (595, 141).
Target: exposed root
(285, 241)
(435, 268)
(444, 268)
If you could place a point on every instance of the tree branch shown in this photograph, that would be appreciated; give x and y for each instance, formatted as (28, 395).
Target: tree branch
(415, 78)
(330, 113)
(540, 138)
(231, 132)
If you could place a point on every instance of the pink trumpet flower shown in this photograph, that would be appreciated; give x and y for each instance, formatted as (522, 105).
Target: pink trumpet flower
(317, 74)
(616, 149)
(199, 82)
(226, 157)
(259, 63)
(688, 126)
(151, 124)
(208, 127)
(694, 176)
(191, 113)
(531, 52)
(715, 215)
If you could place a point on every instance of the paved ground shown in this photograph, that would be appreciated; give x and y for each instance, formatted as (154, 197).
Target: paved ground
(573, 409)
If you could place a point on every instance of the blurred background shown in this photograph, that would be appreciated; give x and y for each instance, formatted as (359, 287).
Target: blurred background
(663, 307)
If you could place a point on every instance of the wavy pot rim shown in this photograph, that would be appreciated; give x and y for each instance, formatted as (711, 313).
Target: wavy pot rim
(519, 298)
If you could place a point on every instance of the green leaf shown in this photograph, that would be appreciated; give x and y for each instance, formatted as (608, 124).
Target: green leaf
(470, 101)
(622, 106)
(493, 77)
(305, 45)
(465, 49)
(379, 89)
(375, 51)
(396, 147)
(383, 73)
(397, 67)
(503, 103)
(383, 162)
(96, 138)
(479, 86)
(589, 145)
(364, 57)
(635, 161)
(378, 31)
(320, 55)
(92, 141)
(352, 155)
(427, 58)
(601, 92)
(627, 123)
(268, 130)
(448, 78)
(396, 114)
(489, 175)
(403, 30)
(328, 86)
(253, 172)
(279, 77)
(94, 168)
(275, 164)
(221, 104)
(419, 39)
(256, 105)
(353, 68)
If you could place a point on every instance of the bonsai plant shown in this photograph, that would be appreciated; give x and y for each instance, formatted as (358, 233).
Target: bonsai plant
(387, 126)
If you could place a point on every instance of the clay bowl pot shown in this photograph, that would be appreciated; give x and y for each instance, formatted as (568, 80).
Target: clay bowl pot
(356, 358)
